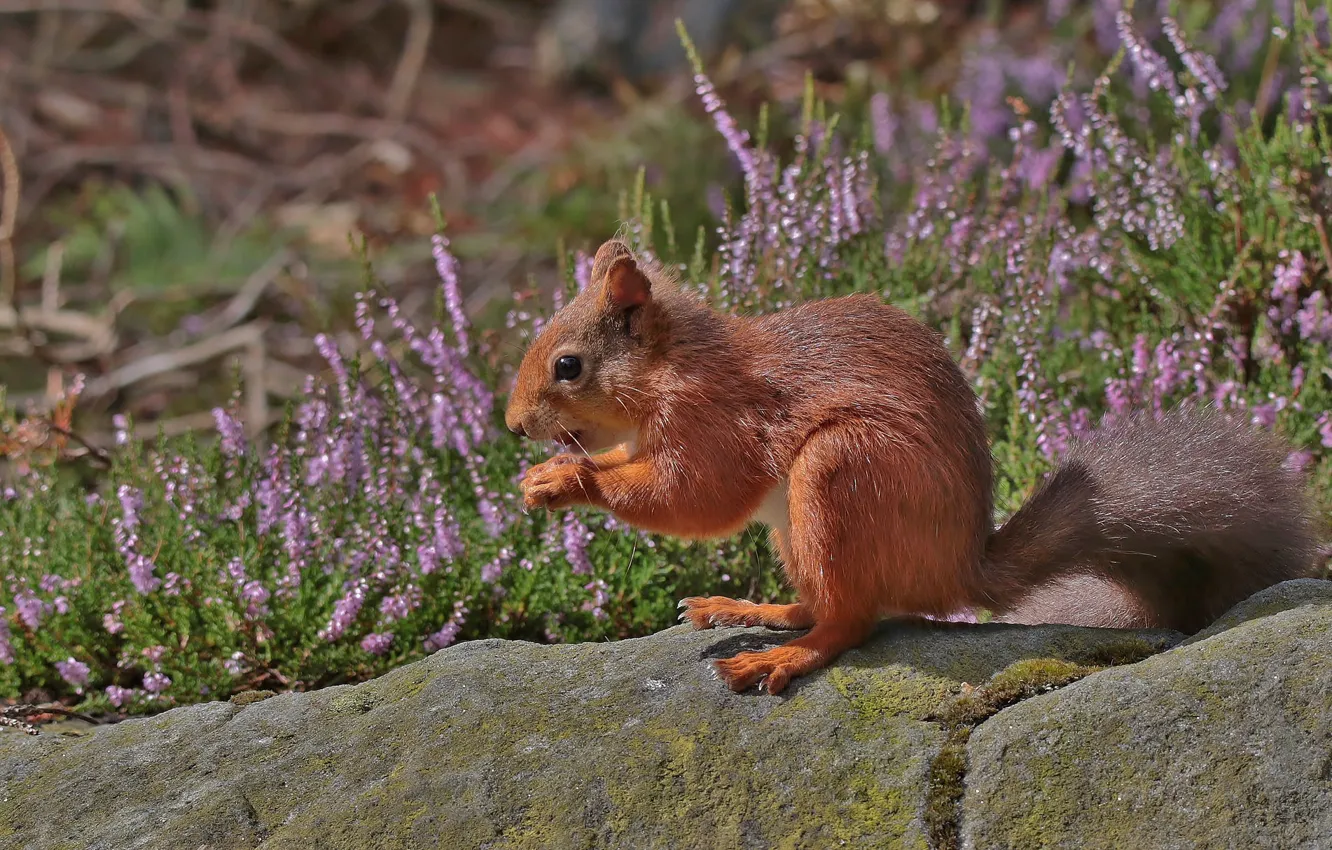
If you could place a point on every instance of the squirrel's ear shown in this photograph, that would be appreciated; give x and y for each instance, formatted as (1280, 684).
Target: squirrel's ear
(624, 284)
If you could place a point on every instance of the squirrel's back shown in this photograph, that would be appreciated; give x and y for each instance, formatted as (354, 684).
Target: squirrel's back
(857, 357)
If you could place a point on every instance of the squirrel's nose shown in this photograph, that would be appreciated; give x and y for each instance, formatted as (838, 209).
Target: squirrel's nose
(517, 428)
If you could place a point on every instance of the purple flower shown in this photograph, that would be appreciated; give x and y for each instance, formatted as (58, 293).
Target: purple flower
(155, 683)
(398, 606)
(111, 620)
(1264, 415)
(31, 610)
(121, 425)
(6, 648)
(1315, 320)
(1299, 460)
(255, 596)
(492, 571)
(140, 567)
(377, 644)
(1287, 278)
(447, 267)
(600, 596)
(120, 697)
(231, 431)
(1200, 65)
(344, 612)
(442, 638)
(73, 672)
(1150, 65)
(235, 665)
(576, 538)
(883, 122)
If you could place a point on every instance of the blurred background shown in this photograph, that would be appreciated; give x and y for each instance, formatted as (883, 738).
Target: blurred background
(191, 171)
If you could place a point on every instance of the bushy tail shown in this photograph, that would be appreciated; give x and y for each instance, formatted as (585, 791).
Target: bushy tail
(1154, 522)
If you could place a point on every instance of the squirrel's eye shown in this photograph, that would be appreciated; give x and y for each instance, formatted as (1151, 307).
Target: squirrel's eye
(568, 368)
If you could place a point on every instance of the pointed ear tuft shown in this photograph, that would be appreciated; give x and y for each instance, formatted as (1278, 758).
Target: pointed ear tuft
(608, 253)
(626, 286)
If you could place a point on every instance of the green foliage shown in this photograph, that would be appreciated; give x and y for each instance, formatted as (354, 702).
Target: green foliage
(149, 238)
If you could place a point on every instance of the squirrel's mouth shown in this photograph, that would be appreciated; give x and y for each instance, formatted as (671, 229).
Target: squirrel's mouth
(570, 439)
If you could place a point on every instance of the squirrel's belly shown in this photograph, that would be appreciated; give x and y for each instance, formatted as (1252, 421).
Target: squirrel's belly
(775, 511)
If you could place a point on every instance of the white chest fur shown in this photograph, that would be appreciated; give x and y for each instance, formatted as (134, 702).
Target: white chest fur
(775, 511)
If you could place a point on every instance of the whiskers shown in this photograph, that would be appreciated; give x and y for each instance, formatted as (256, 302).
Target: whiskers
(581, 483)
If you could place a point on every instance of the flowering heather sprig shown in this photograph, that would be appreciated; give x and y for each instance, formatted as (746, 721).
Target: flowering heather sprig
(6, 645)
(231, 433)
(449, 633)
(882, 122)
(736, 139)
(600, 596)
(345, 611)
(576, 538)
(155, 683)
(399, 605)
(492, 571)
(1152, 66)
(377, 643)
(794, 221)
(74, 672)
(140, 567)
(1202, 66)
(1288, 277)
(120, 697)
(1325, 430)
(31, 610)
(1315, 319)
(446, 265)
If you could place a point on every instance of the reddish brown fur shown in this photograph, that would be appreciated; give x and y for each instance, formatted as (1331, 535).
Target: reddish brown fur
(851, 404)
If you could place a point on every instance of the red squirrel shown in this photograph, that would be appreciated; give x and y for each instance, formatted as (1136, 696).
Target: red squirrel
(845, 426)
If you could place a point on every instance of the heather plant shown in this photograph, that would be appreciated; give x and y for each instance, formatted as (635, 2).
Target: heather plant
(1148, 239)
(380, 523)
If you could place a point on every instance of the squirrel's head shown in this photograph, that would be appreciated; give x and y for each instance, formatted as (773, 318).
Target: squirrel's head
(580, 380)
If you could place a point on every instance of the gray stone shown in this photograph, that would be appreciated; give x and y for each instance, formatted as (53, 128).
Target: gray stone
(1223, 742)
(497, 744)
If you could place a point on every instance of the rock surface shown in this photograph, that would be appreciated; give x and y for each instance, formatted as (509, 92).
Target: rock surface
(1225, 741)
(1219, 742)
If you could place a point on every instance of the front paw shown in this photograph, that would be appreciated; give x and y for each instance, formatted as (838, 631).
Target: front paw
(550, 463)
(559, 482)
(706, 612)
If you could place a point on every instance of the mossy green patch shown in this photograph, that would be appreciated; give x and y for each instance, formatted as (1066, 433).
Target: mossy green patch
(879, 812)
(946, 783)
(893, 691)
(1020, 680)
(245, 698)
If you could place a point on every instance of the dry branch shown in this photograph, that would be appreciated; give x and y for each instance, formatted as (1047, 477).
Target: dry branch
(9, 175)
(174, 361)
